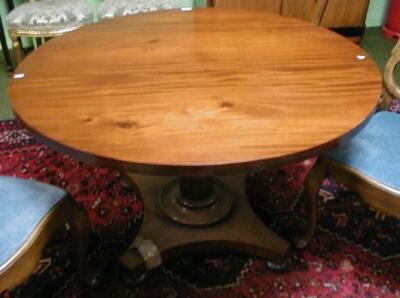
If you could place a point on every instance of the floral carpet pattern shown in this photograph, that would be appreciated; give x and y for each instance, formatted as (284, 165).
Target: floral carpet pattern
(355, 251)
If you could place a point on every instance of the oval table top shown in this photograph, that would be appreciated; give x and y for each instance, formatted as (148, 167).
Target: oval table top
(196, 92)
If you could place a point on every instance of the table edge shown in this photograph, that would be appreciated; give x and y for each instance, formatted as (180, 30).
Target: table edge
(193, 170)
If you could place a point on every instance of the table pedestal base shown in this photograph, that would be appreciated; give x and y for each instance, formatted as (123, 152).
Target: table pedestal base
(196, 201)
(239, 231)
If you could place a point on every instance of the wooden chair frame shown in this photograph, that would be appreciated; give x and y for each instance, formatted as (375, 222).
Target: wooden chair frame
(379, 197)
(25, 260)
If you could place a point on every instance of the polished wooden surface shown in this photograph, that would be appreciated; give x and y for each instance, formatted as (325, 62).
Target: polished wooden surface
(198, 92)
(347, 16)
(242, 231)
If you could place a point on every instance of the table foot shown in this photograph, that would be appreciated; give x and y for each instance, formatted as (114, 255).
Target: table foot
(240, 231)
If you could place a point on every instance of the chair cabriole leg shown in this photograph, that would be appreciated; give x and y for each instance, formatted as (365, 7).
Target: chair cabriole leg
(17, 48)
(81, 230)
(310, 196)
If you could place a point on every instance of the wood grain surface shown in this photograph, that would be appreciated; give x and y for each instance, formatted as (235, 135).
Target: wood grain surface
(308, 10)
(349, 13)
(200, 92)
(270, 5)
(240, 232)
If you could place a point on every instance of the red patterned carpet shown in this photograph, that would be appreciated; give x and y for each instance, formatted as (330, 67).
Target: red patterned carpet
(355, 252)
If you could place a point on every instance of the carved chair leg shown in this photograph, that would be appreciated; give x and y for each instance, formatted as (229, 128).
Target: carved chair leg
(81, 231)
(17, 48)
(310, 195)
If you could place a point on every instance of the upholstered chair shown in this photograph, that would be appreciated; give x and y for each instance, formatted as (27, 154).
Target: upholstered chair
(367, 161)
(46, 18)
(115, 8)
(30, 214)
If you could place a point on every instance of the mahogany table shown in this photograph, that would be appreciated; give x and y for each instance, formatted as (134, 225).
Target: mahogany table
(196, 94)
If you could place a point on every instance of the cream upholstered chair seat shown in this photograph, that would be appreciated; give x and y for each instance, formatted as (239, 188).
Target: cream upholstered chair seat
(49, 16)
(115, 8)
(46, 18)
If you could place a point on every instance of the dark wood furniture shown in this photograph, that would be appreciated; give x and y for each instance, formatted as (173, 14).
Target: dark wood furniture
(346, 17)
(197, 94)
